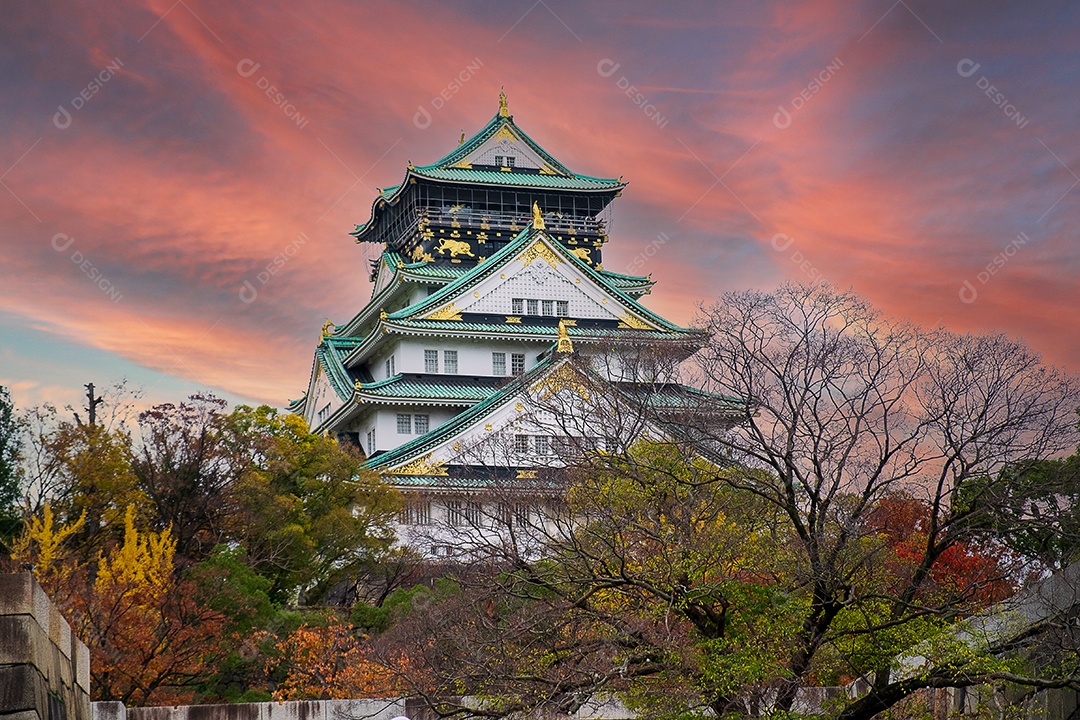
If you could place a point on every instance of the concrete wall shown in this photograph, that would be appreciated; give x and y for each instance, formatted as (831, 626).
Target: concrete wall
(44, 668)
(295, 710)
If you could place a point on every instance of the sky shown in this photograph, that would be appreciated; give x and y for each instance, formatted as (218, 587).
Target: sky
(178, 177)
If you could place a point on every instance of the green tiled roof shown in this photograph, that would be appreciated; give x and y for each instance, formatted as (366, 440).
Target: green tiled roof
(523, 329)
(446, 272)
(441, 170)
(471, 483)
(673, 396)
(625, 281)
(331, 353)
(474, 274)
(439, 387)
(518, 179)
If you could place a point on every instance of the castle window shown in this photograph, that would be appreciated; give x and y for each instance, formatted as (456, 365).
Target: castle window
(404, 424)
(517, 363)
(473, 513)
(543, 444)
(390, 367)
(371, 442)
(431, 361)
(417, 512)
(453, 512)
(498, 363)
(547, 308)
(521, 444)
(450, 362)
(421, 423)
(499, 160)
(510, 159)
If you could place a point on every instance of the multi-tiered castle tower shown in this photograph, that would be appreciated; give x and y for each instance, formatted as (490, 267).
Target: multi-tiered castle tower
(491, 277)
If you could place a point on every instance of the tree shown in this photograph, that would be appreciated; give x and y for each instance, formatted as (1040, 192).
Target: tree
(310, 516)
(11, 431)
(167, 542)
(847, 406)
(152, 629)
(329, 661)
(821, 512)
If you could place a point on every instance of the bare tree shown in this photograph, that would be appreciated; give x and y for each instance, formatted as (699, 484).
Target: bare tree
(845, 407)
(816, 512)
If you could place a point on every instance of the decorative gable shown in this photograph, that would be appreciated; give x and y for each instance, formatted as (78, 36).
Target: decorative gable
(538, 278)
(506, 150)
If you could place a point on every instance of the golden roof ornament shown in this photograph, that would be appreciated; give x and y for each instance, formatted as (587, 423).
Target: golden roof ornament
(565, 345)
(538, 218)
(504, 111)
(462, 140)
(327, 329)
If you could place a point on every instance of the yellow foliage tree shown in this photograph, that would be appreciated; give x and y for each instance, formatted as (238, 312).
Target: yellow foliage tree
(44, 545)
(143, 560)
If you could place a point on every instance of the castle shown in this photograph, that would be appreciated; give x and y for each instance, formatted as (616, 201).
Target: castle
(490, 291)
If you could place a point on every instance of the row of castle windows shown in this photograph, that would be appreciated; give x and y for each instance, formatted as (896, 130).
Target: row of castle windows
(450, 363)
(464, 513)
(550, 308)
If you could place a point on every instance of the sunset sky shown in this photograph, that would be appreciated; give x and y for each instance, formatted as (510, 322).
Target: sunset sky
(157, 155)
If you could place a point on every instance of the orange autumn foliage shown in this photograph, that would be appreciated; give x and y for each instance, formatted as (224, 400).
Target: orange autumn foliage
(332, 663)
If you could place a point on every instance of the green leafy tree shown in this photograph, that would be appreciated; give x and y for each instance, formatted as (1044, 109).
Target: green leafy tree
(310, 515)
(11, 432)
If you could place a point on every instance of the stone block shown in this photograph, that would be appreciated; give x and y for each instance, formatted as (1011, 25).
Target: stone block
(108, 710)
(295, 710)
(16, 596)
(17, 647)
(367, 709)
(41, 605)
(80, 656)
(22, 688)
(59, 631)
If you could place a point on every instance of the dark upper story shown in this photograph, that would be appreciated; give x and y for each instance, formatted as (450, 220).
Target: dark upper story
(465, 206)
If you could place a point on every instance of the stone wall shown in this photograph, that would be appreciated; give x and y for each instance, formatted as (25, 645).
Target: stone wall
(295, 710)
(44, 668)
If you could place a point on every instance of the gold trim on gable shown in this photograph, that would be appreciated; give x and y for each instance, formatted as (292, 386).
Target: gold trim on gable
(542, 251)
(447, 312)
(629, 321)
(421, 466)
